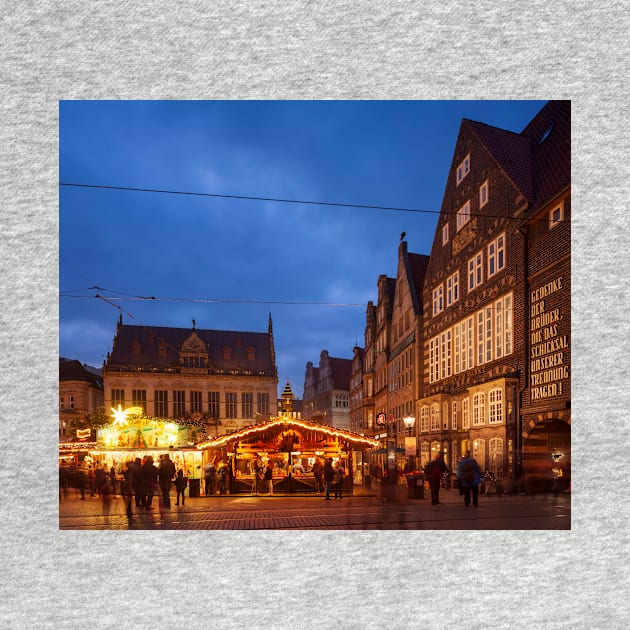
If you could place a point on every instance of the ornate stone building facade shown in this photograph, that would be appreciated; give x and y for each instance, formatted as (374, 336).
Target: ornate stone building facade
(80, 398)
(218, 380)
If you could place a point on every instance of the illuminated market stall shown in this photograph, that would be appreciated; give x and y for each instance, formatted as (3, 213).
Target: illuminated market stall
(132, 435)
(292, 447)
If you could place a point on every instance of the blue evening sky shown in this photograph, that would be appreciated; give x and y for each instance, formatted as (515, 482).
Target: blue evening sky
(193, 249)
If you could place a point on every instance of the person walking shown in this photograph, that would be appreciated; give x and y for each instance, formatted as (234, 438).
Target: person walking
(258, 470)
(210, 476)
(329, 475)
(435, 471)
(149, 475)
(127, 488)
(223, 477)
(269, 477)
(469, 475)
(340, 473)
(318, 473)
(180, 485)
(136, 483)
(166, 472)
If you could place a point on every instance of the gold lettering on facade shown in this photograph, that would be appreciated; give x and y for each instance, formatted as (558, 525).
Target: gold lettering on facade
(547, 361)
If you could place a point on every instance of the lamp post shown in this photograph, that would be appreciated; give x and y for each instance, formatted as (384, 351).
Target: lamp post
(410, 442)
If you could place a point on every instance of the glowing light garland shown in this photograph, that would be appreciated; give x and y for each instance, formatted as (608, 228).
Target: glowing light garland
(287, 421)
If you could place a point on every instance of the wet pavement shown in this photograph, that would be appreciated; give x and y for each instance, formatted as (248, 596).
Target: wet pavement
(312, 512)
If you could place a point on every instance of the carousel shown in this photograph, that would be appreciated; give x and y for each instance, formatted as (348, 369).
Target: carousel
(291, 447)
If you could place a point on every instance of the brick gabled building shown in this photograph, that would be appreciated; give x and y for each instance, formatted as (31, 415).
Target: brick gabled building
(327, 391)
(489, 249)
(225, 380)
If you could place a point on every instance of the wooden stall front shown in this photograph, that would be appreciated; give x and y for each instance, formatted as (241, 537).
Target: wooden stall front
(292, 446)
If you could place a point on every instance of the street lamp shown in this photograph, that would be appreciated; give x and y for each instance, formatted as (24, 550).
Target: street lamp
(410, 442)
(409, 421)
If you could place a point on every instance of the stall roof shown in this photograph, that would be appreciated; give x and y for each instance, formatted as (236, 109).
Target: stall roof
(285, 423)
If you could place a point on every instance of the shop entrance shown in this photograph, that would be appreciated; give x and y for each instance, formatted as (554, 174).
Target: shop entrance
(547, 458)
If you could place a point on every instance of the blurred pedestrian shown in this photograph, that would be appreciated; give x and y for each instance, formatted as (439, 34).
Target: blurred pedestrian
(318, 473)
(469, 475)
(269, 477)
(180, 485)
(340, 473)
(148, 475)
(210, 478)
(222, 475)
(329, 475)
(136, 483)
(435, 471)
(166, 473)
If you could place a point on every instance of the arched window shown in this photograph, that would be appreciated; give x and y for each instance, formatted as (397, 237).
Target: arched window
(435, 417)
(479, 453)
(496, 456)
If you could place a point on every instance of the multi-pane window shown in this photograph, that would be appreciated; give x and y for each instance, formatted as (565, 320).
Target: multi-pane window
(425, 453)
(445, 416)
(262, 400)
(556, 215)
(454, 415)
(61, 402)
(475, 271)
(72, 402)
(438, 299)
(424, 419)
(231, 407)
(466, 413)
(195, 402)
(483, 194)
(247, 405)
(488, 331)
(463, 169)
(445, 234)
(452, 288)
(495, 400)
(435, 417)
(160, 403)
(496, 255)
(118, 398)
(479, 453)
(139, 399)
(479, 409)
(213, 404)
(496, 456)
(463, 216)
(179, 403)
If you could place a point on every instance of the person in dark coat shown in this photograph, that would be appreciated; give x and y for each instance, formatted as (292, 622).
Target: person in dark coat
(435, 472)
(136, 483)
(180, 485)
(329, 475)
(166, 472)
(469, 475)
(148, 476)
(318, 473)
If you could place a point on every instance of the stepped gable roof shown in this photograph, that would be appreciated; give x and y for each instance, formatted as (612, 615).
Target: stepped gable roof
(341, 372)
(160, 346)
(418, 264)
(74, 370)
(512, 151)
(550, 135)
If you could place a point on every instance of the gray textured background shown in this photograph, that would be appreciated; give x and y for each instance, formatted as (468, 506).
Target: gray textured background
(314, 50)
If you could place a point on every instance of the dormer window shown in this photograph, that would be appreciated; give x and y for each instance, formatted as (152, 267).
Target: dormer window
(463, 169)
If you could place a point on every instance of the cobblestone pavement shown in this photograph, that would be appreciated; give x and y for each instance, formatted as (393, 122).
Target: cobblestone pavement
(367, 512)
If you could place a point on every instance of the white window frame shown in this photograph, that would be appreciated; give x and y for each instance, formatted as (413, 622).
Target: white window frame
(424, 419)
(496, 255)
(445, 234)
(463, 215)
(479, 409)
(463, 169)
(438, 299)
(466, 413)
(555, 221)
(435, 417)
(483, 194)
(475, 271)
(454, 415)
(452, 288)
(479, 452)
(495, 447)
(495, 406)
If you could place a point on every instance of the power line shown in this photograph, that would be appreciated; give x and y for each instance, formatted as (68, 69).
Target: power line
(281, 200)
(139, 298)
